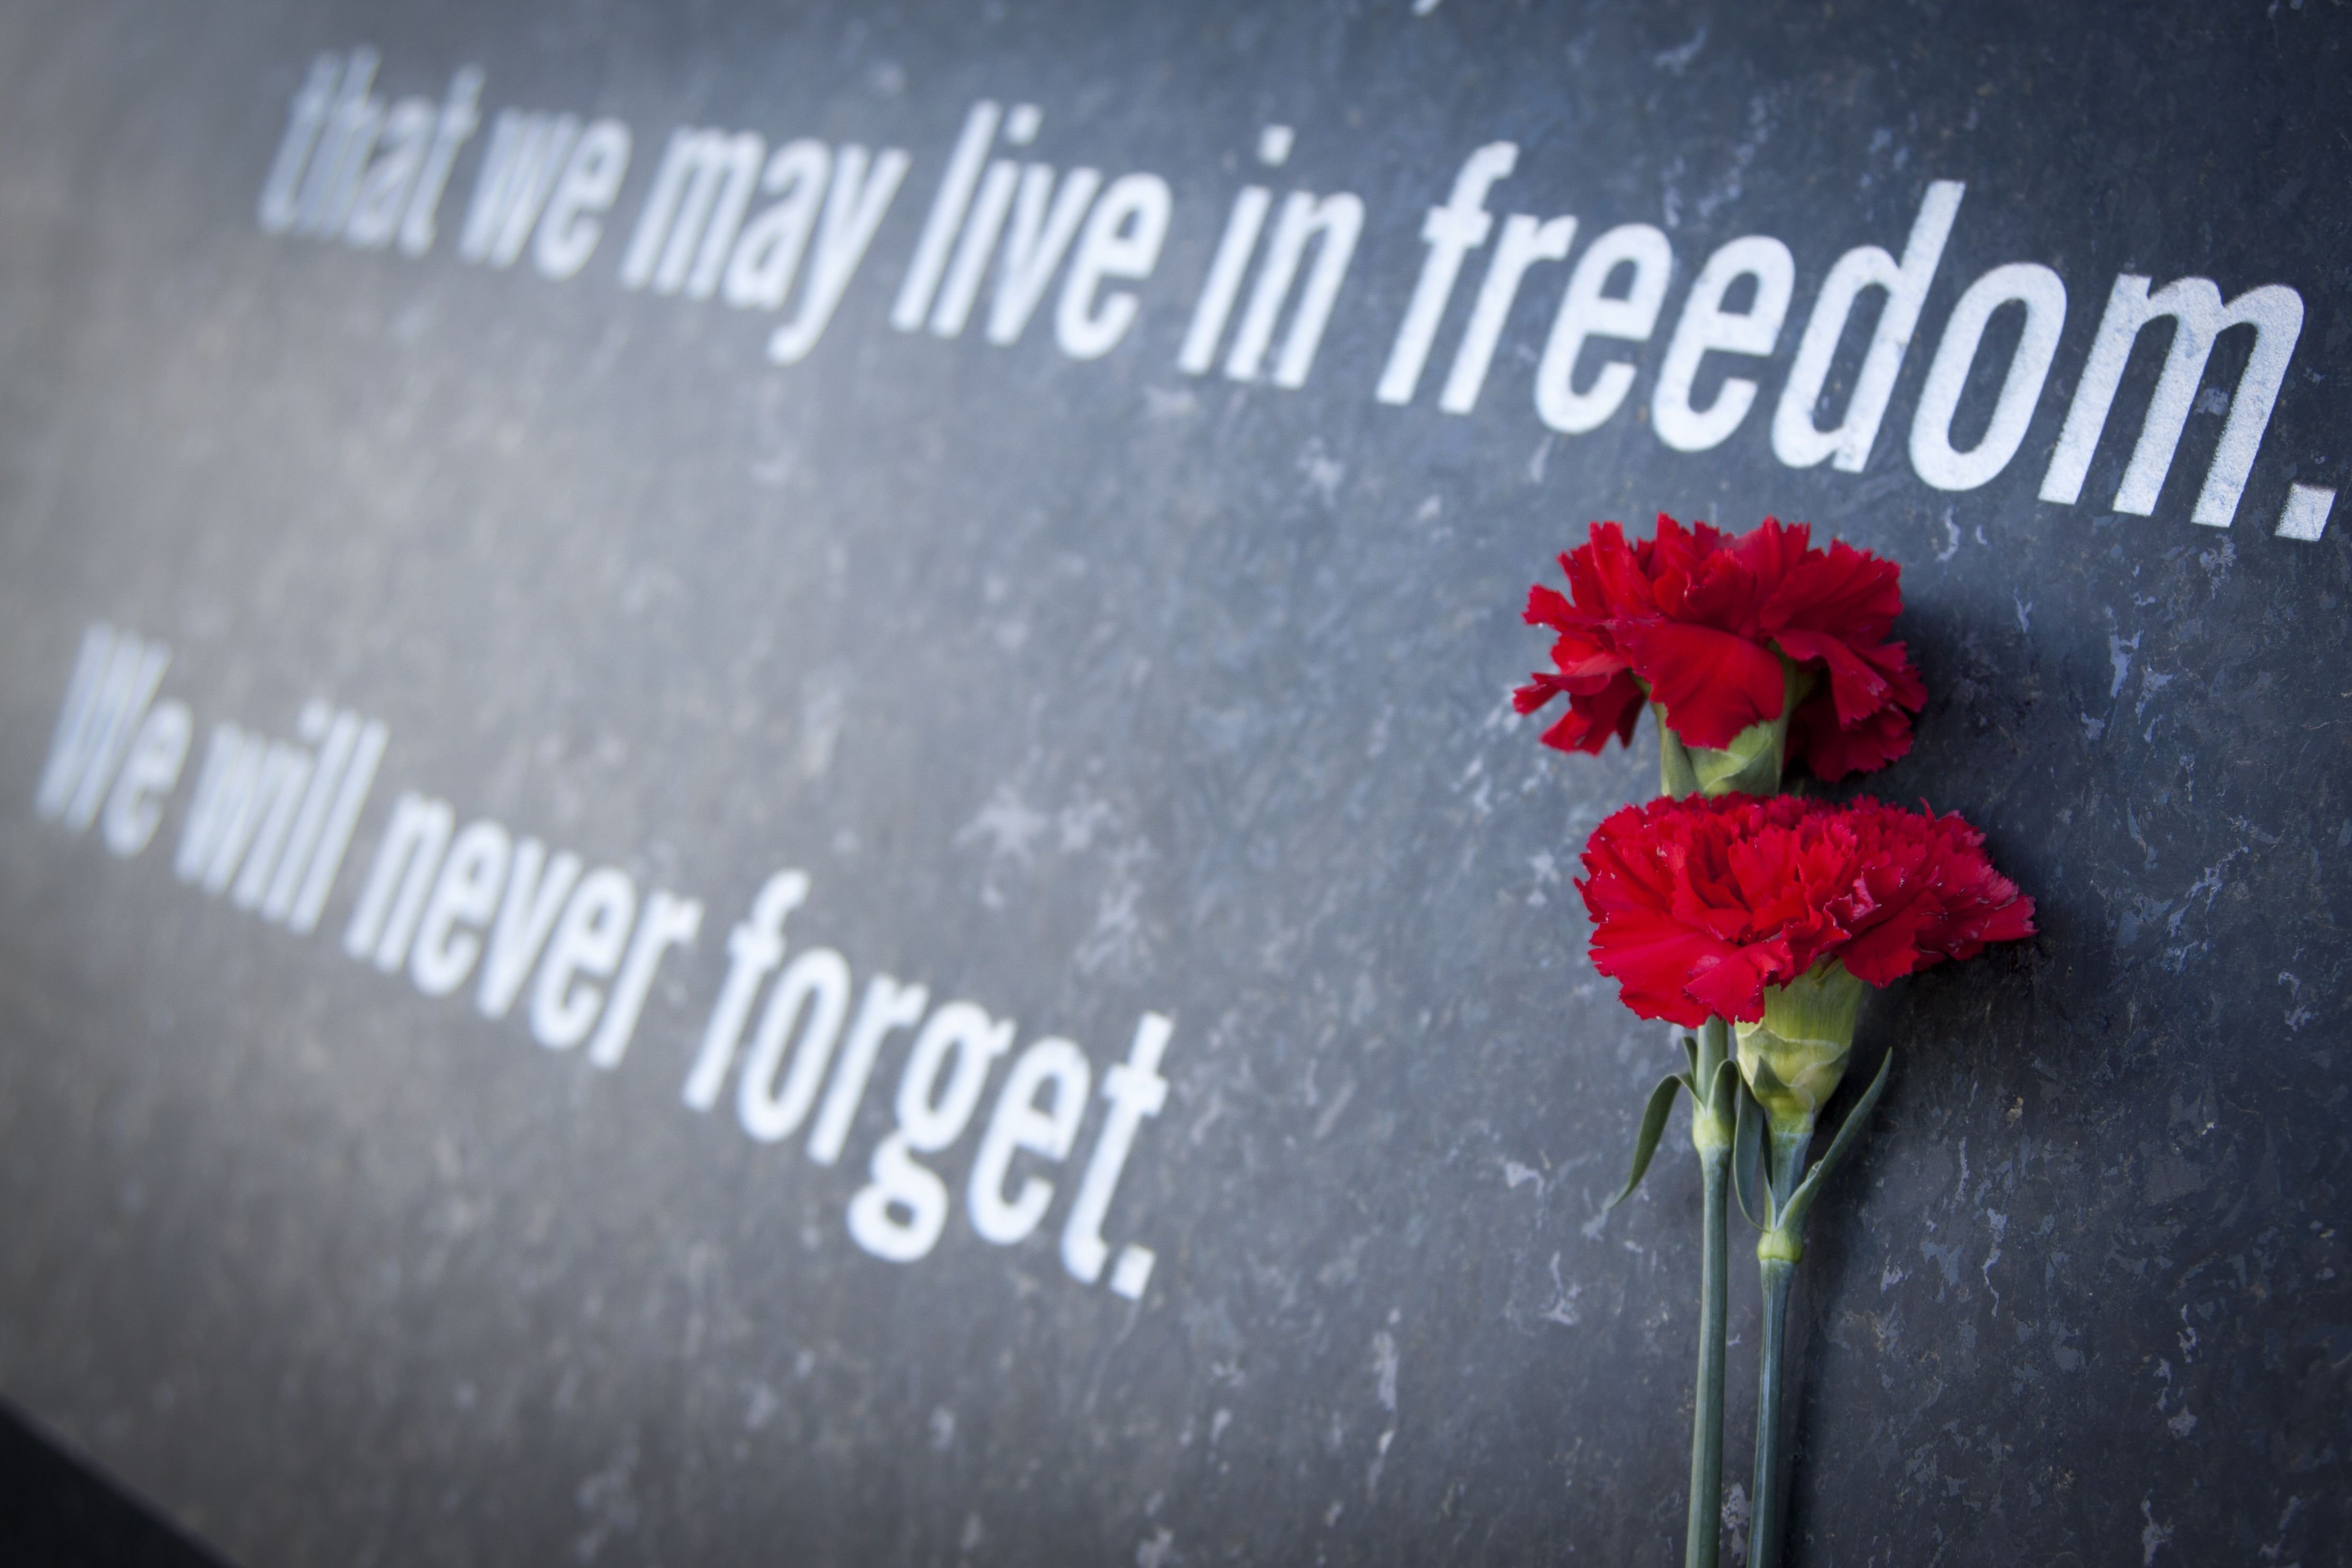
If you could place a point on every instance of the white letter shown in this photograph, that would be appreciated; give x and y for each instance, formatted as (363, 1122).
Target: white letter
(754, 947)
(309, 113)
(1332, 225)
(2305, 516)
(960, 1031)
(526, 916)
(245, 803)
(1525, 242)
(669, 922)
(1796, 441)
(75, 741)
(384, 188)
(1019, 1124)
(588, 186)
(1035, 243)
(2274, 312)
(466, 893)
(819, 976)
(2044, 296)
(227, 805)
(1135, 1091)
(1585, 311)
(157, 753)
(348, 133)
(946, 217)
(1706, 327)
(683, 236)
(527, 153)
(397, 885)
(1224, 283)
(340, 732)
(767, 254)
(284, 780)
(113, 681)
(457, 123)
(899, 1183)
(351, 794)
(1451, 232)
(887, 1006)
(1123, 239)
(961, 290)
(587, 940)
(854, 206)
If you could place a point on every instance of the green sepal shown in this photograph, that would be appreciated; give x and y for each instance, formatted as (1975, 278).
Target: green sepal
(1753, 762)
(1750, 765)
(1747, 1144)
(1717, 1109)
(1848, 1131)
(1766, 1083)
(1677, 778)
(1653, 1127)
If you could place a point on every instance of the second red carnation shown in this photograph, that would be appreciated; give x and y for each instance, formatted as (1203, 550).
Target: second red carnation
(1698, 904)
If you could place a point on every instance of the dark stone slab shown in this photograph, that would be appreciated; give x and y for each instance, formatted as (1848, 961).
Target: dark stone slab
(1085, 689)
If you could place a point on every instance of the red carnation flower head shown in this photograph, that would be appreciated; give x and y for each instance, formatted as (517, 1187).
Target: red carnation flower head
(1774, 913)
(1760, 647)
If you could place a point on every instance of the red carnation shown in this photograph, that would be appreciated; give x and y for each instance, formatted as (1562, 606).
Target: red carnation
(1702, 622)
(1698, 904)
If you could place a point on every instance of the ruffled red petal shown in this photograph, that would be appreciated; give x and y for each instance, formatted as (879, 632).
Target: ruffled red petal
(1775, 551)
(1712, 685)
(1704, 618)
(1547, 607)
(1843, 592)
(1831, 751)
(1731, 985)
(1613, 706)
(1699, 905)
(1856, 689)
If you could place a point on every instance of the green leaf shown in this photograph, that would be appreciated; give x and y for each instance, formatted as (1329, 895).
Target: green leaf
(1690, 1055)
(1848, 1131)
(1653, 1127)
(1747, 1144)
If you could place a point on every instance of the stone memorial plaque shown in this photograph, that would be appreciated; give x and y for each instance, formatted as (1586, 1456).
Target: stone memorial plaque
(757, 798)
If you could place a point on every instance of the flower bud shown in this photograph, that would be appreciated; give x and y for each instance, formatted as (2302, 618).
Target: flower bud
(1794, 1055)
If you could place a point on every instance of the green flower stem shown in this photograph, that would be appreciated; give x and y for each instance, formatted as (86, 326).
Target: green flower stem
(1711, 1135)
(1713, 1124)
(1789, 1144)
(1777, 1255)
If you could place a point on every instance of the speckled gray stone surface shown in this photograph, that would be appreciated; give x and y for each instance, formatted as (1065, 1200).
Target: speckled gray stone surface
(1085, 689)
